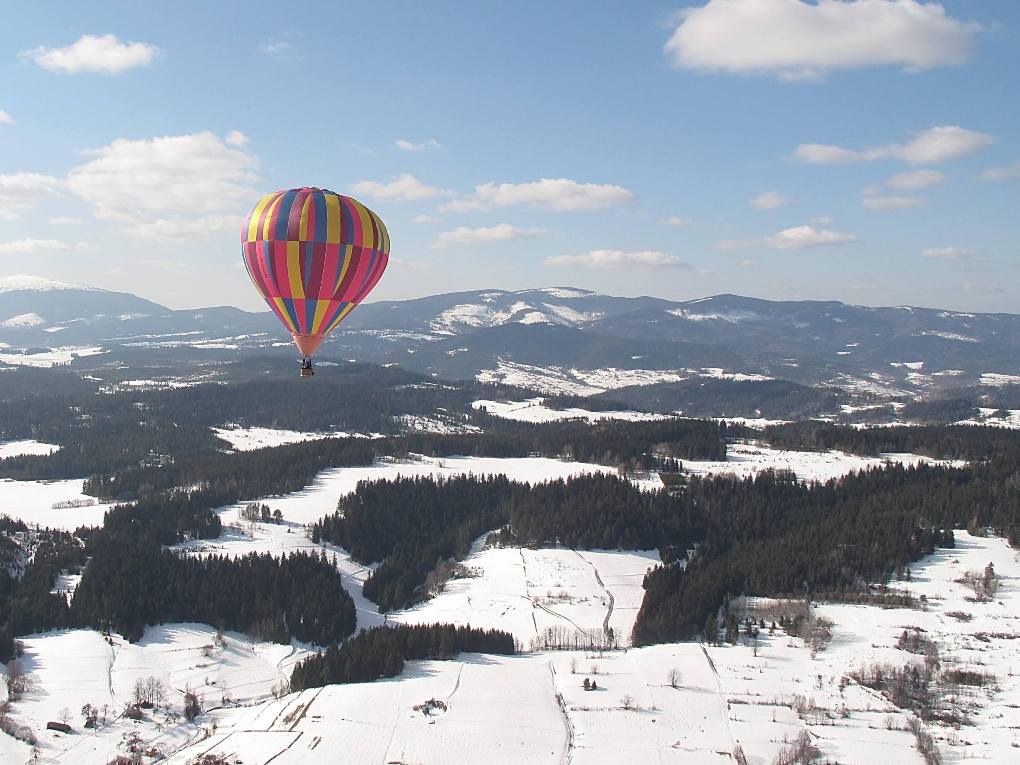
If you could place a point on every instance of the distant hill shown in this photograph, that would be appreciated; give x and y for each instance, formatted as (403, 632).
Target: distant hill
(560, 338)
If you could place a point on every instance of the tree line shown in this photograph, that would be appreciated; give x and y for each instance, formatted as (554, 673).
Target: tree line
(769, 536)
(413, 525)
(382, 651)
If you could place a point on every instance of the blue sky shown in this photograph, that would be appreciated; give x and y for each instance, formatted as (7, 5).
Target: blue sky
(859, 150)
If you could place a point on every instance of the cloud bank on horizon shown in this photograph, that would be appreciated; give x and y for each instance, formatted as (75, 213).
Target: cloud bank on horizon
(858, 149)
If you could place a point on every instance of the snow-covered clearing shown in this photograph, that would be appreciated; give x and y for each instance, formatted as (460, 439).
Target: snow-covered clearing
(50, 357)
(527, 591)
(534, 410)
(72, 668)
(1009, 418)
(587, 382)
(983, 637)
(53, 504)
(26, 447)
(532, 707)
(248, 439)
(748, 459)
(997, 380)
(448, 424)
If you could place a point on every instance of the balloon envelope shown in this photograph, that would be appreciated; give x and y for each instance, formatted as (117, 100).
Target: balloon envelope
(313, 255)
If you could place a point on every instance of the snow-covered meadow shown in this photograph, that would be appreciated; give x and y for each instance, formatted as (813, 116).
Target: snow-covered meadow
(25, 447)
(530, 707)
(53, 504)
(534, 410)
(748, 459)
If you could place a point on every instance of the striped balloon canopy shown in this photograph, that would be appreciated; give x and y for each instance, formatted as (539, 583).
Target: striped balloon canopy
(313, 255)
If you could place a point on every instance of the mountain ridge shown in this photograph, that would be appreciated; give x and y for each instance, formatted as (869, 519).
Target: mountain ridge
(567, 333)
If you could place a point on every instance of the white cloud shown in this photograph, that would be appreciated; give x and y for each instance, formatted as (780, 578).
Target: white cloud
(549, 193)
(915, 179)
(405, 145)
(186, 180)
(889, 202)
(5, 118)
(403, 188)
(425, 218)
(173, 229)
(797, 40)
(802, 237)
(611, 259)
(32, 246)
(823, 220)
(93, 53)
(769, 200)
(940, 143)
(236, 138)
(676, 220)
(746, 263)
(1004, 173)
(65, 221)
(948, 253)
(21, 191)
(500, 232)
(936, 144)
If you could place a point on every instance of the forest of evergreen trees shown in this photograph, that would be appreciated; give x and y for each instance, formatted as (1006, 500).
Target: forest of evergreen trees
(770, 536)
(413, 525)
(129, 585)
(153, 451)
(382, 651)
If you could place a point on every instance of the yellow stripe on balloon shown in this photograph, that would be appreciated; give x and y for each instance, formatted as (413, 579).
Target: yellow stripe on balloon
(340, 317)
(346, 252)
(303, 224)
(268, 224)
(332, 218)
(384, 233)
(320, 313)
(297, 289)
(256, 214)
(282, 313)
(367, 232)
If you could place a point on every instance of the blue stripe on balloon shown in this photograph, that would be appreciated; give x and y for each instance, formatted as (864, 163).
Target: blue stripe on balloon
(319, 200)
(288, 303)
(283, 214)
(310, 304)
(267, 257)
(306, 282)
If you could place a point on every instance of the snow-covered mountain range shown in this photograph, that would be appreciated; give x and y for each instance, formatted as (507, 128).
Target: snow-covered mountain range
(561, 338)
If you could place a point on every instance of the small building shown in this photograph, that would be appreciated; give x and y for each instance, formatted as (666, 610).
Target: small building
(59, 726)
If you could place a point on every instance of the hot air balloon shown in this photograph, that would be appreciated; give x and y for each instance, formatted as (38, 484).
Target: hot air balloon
(313, 255)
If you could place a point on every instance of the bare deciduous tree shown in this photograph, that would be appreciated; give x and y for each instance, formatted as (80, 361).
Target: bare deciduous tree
(674, 678)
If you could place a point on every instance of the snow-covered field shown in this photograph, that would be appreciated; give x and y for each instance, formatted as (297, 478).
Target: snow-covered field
(532, 707)
(534, 410)
(970, 635)
(1009, 419)
(25, 447)
(749, 459)
(39, 503)
(526, 591)
(248, 439)
(50, 357)
(72, 668)
(507, 709)
(588, 382)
